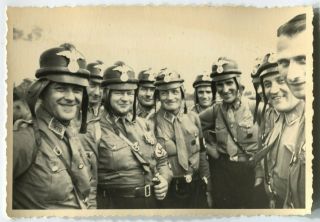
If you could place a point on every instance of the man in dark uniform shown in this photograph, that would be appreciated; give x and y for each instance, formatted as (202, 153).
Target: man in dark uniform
(133, 170)
(284, 142)
(232, 141)
(91, 139)
(146, 89)
(180, 133)
(94, 89)
(50, 168)
(203, 96)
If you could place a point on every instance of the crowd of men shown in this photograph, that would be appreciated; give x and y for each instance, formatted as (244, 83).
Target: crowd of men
(105, 139)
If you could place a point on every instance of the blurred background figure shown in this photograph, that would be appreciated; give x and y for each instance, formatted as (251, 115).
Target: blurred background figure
(21, 110)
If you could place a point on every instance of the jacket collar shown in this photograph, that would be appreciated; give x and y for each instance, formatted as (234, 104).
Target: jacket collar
(51, 122)
(170, 117)
(235, 105)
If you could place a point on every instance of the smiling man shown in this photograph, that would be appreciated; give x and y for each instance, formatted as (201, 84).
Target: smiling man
(285, 160)
(47, 155)
(231, 138)
(291, 54)
(133, 170)
(179, 131)
(203, 97)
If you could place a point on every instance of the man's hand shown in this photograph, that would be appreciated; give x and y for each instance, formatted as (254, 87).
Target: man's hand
(161, 188)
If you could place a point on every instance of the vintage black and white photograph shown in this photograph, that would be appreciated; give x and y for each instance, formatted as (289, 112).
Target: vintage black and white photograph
(159, 110)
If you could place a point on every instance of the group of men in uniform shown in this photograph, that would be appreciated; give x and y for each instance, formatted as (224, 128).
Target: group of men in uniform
(104, 139)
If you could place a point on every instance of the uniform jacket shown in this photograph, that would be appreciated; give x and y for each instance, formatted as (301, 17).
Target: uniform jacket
(192, 133)
(288, 151)
(117, 164)
(242, 127)
(39, 174)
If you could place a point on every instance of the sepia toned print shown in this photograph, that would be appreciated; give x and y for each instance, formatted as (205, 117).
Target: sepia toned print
(161, 111)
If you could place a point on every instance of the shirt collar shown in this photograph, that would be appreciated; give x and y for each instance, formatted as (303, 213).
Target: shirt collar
(142, 109)
(127, 118)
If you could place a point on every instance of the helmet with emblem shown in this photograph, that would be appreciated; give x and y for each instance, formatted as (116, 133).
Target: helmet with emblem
(96, 71)
(119, 77)
(226, 68)
(147, 78)
(63, 64)
(268, 66)
(170, 79)
(201, 80)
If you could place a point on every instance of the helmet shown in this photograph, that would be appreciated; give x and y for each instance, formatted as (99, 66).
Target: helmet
(202, 80)
(63, 64)
(95, 69)
(169, 79)
(147, 78)
(268, 66)
(225, 68)
(119, 77)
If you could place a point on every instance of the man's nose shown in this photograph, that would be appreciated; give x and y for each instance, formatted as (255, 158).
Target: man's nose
(69, 95)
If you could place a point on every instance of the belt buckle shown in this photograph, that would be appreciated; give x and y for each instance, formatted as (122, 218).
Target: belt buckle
(147, 190)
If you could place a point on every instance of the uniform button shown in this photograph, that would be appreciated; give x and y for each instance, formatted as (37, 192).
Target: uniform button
(55, 168)
(80, 166)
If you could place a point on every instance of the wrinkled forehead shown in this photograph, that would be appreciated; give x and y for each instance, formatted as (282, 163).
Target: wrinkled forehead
(288, 47)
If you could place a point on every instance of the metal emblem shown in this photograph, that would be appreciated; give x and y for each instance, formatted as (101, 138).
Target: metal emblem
(272, 58)
(159, 151)
(135, 146)
(220, 64)
(57, 127)
(188, 178)
(254, 71)
(149, 138)
(73, 55)
(124, 77)
(123, 69)
(167, 78)
(206, 77)
(151, 77)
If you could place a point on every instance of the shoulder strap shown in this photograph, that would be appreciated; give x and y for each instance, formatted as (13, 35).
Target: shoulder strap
(229, 131)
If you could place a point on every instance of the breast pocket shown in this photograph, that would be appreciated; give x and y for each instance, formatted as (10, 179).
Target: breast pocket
(59, 178)
(247, 131)
(221, 134)
(114, 154)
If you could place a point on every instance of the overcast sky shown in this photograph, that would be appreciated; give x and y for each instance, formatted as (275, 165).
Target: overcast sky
(187, 39)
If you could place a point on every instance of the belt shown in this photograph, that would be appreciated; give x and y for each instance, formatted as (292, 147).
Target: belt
(239, 157)
(144, 191)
